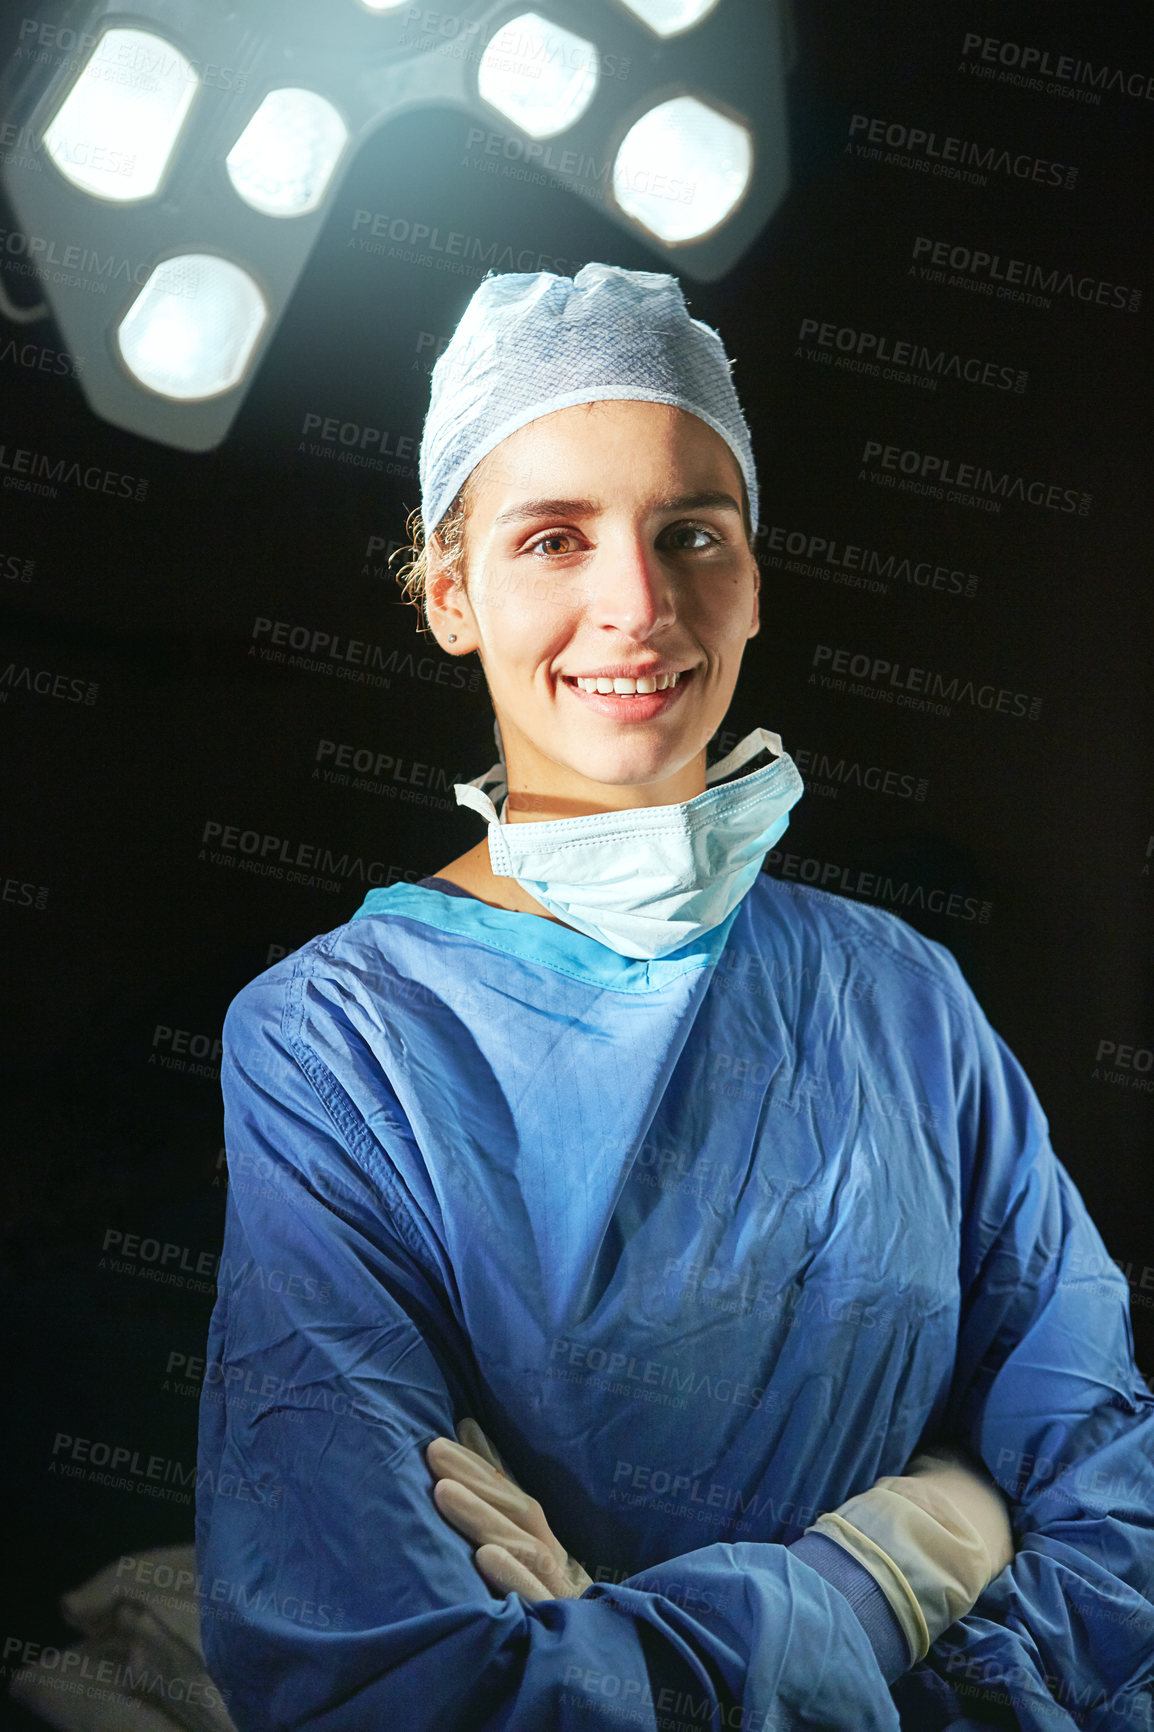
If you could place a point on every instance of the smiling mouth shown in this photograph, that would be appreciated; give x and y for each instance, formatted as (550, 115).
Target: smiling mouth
(618, 686)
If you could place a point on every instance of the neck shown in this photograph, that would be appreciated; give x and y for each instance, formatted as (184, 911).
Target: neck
(474, 872)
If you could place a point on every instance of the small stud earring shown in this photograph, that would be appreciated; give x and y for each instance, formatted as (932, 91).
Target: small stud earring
(452, 637)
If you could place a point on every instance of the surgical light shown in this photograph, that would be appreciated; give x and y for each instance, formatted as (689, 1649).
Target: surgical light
(537, 75)
(193, 153)
(115, 132)
(284, 159)
(682, 169)
(191, 331)
(667, 17)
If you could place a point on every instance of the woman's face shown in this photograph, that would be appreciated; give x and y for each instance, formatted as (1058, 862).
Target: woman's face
(605, 542)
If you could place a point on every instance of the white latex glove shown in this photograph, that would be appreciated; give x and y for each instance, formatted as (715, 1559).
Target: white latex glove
(516, 1550)
(932, 1538)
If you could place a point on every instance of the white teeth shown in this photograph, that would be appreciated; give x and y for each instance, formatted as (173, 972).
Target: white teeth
(626, 687)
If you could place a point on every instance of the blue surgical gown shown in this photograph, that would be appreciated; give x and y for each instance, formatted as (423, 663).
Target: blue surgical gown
(706, 1244)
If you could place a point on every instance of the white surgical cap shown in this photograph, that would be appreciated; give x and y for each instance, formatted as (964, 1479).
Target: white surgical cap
(530, 343)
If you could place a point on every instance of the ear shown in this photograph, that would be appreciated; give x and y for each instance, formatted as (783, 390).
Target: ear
(755, 621)
(447, 606)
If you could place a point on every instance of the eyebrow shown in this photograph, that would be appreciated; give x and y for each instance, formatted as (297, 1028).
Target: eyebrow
(530, 508)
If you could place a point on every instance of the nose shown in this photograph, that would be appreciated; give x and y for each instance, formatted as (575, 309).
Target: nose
(633, 592)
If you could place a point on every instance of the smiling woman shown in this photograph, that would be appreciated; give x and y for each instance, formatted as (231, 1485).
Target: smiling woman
(610, 623)
(704, 1298)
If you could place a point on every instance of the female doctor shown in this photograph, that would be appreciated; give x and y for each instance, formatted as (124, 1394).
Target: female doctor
(638, 1271)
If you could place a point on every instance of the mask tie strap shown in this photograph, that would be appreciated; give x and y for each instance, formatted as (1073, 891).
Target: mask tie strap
(473, 793)
(760, 740)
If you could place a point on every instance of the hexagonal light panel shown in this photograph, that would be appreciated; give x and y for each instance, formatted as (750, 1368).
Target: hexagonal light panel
(667, 17)
(115, 132)
(537, 75)
(161, 169)
(682, 169)
(191, 330)
(284, 159)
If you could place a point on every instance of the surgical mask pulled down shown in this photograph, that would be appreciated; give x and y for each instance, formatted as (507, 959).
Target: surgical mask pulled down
(651, 879)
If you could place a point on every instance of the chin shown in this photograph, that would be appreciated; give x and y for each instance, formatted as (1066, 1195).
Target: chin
(619, 770)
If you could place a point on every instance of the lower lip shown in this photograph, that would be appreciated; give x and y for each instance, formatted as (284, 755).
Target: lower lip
(630, 706)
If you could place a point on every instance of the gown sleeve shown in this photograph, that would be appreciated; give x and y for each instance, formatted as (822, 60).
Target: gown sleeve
(334, 1596)
(1046, 1392)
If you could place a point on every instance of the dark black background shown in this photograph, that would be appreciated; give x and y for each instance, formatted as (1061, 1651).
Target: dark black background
(1048, 821)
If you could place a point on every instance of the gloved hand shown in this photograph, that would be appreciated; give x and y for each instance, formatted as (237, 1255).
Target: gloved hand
(932, 1538)
(516, 1550)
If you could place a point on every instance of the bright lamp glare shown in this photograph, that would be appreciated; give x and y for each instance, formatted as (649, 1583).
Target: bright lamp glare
(115, 131)
(284, 159)
(682, 169)
(383, 5)
(191, 330)
(537, 75)
(667, 17)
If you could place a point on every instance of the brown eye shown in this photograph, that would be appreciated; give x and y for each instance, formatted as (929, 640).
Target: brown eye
(548, 544)
(676, 535)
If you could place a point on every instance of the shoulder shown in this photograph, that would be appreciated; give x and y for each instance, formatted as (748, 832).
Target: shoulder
(281, 1004)
(818, 929)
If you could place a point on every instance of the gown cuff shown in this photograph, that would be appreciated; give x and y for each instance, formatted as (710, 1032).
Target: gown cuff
(854, 1581)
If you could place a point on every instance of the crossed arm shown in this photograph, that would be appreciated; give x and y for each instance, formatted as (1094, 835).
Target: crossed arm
(932, 1539)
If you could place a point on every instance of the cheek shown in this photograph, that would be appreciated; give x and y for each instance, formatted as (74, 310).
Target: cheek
(725, 618)
(521, 627)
